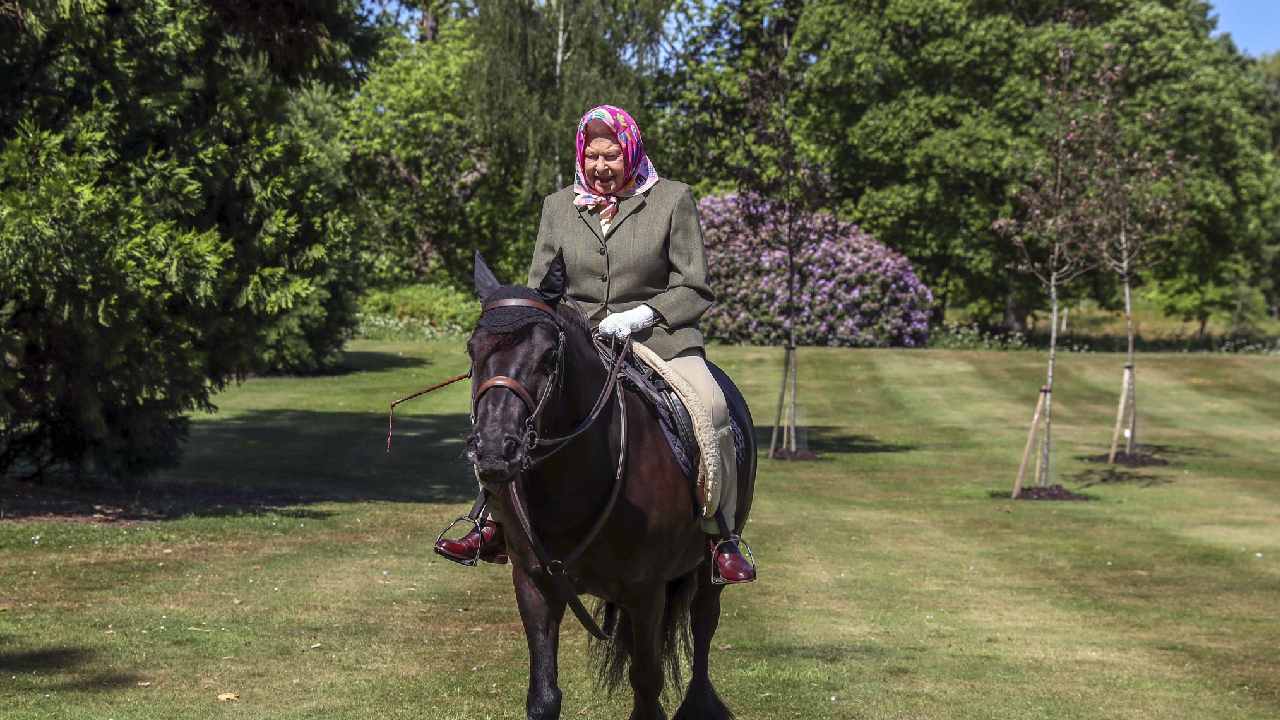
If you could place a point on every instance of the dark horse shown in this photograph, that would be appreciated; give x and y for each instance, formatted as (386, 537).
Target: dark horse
(649, 560)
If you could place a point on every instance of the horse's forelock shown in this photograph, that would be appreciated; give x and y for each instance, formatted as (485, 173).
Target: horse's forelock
(510, 319)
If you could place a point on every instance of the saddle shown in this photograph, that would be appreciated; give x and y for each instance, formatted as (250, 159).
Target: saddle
(673, 416)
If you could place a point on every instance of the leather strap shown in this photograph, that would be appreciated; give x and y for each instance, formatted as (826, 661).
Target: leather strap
(615, 372)
(519, 302)
(509, 383)
(555, 569)
(391, 414)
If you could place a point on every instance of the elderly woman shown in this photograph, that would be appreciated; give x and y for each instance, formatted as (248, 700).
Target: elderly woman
(633, 249)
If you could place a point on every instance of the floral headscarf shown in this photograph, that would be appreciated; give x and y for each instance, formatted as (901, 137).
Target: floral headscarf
(638, 172)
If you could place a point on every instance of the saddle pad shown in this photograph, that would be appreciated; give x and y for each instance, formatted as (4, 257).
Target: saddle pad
(709, 470)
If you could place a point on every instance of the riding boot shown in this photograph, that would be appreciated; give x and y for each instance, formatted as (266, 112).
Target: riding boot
(485, 544)
(731, 565)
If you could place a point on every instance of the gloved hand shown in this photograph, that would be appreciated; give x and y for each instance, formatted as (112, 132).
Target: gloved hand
(622, 324)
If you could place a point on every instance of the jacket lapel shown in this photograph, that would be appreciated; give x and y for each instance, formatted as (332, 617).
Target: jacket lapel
(592, 221)
(625, 208)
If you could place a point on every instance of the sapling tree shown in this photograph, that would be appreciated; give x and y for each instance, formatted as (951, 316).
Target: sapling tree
(1052, 230)
(1138, 198)
(780, 190)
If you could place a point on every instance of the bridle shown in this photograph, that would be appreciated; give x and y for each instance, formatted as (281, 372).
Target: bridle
(555, 570)
(530, 439)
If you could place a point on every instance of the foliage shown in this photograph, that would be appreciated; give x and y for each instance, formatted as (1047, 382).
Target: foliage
(172, 216)
(853, 291)
(466, 125)
(417, 311)
(972, 336)
(919, 114)
(414, 156)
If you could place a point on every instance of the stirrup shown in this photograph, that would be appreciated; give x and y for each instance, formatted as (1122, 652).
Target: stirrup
(743, 549)
(475, 523)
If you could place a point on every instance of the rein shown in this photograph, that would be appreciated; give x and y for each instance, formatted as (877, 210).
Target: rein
(555, 570)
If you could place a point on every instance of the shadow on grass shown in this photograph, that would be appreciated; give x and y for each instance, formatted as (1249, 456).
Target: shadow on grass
(45, 660)
(830, 439)
(367, 361)
(353, 361)
(271, 461)
(1113, 475)
(73, 660)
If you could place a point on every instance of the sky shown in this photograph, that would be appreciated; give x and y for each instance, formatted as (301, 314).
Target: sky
(1254, 25)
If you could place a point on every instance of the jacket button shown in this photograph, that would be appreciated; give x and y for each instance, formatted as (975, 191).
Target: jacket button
(604, 277)
(601, 250)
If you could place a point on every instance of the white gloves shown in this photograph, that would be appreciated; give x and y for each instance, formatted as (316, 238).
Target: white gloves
(622, 324)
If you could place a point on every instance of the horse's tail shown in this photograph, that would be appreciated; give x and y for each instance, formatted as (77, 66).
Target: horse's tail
(611, 657)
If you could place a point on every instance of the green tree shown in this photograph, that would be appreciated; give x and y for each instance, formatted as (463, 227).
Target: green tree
(171, 215)
(920, 113)
(1269, 67)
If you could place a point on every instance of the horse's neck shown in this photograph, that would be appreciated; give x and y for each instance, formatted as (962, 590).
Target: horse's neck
(584, 378)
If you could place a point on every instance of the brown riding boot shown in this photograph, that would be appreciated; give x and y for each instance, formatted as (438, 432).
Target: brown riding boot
(486, 544)
(731, 566)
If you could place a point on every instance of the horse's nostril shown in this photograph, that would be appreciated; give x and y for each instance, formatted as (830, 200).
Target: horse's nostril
(509, 447)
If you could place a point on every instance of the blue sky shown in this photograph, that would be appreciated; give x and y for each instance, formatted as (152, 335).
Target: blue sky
(1253, 24)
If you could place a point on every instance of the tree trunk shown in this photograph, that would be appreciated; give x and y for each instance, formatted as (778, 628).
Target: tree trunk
(1015, 315)
(1046, 447)
(795, 378)
(561, 35)
(1132, 390)
(782, 398)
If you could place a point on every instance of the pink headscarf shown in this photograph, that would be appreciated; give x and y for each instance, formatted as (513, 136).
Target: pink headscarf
(638, 172)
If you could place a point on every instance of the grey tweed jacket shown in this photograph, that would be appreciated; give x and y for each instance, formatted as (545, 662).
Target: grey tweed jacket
(653, 254)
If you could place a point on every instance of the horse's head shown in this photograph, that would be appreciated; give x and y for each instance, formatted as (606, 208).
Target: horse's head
(517, 359)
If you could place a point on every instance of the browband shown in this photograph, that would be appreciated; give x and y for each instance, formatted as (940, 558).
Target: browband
(519, 302)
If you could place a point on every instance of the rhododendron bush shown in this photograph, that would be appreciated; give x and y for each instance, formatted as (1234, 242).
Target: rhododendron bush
(850, 290)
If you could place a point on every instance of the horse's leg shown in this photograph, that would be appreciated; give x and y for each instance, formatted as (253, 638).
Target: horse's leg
(701, 701)
(541, 618)
(646, 655)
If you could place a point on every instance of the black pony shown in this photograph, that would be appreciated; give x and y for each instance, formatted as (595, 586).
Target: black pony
(579, 470)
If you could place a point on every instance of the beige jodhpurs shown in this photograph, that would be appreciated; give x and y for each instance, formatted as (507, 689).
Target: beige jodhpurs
(693, 368)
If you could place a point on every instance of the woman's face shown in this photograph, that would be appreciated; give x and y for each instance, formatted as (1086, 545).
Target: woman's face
(602, 159)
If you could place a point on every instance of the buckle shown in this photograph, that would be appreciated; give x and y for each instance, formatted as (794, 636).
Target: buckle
(743, 549)
(469, 562)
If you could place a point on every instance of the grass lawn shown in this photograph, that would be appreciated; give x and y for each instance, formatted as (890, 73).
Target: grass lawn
(289, 561)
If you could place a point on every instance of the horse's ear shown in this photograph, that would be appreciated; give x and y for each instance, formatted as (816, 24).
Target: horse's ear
(552, 286)
(486, 282)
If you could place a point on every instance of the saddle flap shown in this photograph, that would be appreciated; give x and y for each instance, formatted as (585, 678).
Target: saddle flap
(673, 416)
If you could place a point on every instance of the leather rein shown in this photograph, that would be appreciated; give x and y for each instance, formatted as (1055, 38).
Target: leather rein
(554, 570)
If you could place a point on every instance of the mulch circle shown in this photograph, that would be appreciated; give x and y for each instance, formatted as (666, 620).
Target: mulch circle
(1053, 492)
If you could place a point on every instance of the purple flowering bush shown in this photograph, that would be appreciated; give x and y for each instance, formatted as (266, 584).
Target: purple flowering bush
(851, 290)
